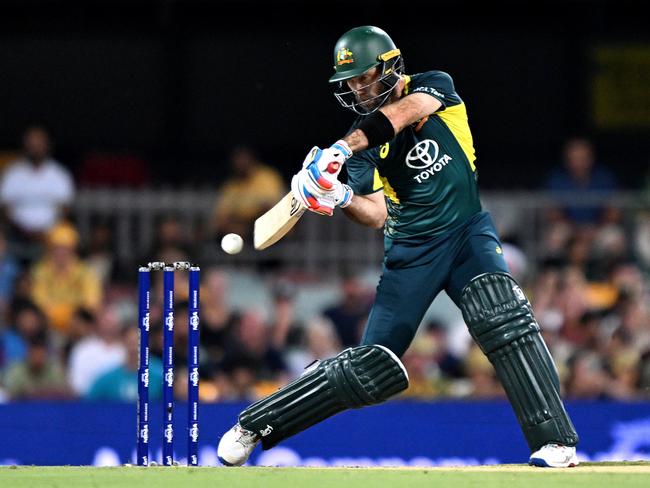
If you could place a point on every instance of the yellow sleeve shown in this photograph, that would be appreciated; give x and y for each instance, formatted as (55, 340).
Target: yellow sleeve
(269, 186)
(91, 290)
(224, 198)
(39, 287)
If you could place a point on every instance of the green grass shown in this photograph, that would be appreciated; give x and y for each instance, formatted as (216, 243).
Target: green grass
(589, 475)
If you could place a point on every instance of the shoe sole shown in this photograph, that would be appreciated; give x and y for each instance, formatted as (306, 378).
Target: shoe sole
(225, 463)
(541, 463)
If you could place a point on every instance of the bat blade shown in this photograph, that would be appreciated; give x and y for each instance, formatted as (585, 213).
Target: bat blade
(274, 224)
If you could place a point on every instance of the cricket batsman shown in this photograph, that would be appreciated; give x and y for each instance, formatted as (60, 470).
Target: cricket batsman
(411, 170)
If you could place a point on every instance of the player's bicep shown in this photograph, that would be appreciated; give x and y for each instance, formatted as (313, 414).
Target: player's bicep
(377, 198)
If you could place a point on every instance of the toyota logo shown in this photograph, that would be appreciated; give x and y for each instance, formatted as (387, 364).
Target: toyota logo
(421, 155)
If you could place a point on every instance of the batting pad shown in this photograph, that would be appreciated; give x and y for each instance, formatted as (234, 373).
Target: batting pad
(501, 321)
(358, 376)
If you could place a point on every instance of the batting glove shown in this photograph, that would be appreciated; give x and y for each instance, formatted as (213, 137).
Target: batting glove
(324, 165)
(342, 194)
(316, 185)
(339, 196)
(321, 203)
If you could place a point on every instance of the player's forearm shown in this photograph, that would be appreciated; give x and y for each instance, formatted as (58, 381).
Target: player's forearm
(391, 119)
(357, 140)
(367, 210)
(410, 109)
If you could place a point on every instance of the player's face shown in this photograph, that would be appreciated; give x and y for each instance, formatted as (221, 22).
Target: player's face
(366, 88)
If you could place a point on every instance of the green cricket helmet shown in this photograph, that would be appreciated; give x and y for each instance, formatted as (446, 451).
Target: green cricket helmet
(358, 51)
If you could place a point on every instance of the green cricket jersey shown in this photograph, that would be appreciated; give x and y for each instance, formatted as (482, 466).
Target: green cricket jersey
(426, 171)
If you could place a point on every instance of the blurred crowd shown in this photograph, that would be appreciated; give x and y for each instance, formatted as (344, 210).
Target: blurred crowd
(68, 321)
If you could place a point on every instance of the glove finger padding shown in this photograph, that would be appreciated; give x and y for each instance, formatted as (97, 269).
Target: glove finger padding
(312, 155)
(324, 170)
(316, 186)
(343, 195)
(320, 203)
(324, 165)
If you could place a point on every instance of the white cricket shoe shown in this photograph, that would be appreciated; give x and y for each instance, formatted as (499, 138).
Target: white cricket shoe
(236, 446)
(554, 456)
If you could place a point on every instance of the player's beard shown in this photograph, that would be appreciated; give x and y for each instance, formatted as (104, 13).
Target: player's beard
(375, 95)
(368, 105)
(371, 101)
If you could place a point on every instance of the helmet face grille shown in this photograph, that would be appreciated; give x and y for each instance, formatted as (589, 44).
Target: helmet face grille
(391, 71)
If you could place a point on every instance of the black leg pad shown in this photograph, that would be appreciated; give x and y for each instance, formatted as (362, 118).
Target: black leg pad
(358, 376)
(500, 319)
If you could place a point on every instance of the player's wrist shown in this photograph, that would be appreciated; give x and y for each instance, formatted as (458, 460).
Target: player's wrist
(344, 147)
(377, 128)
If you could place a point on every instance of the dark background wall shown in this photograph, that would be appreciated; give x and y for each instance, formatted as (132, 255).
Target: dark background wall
(180, 82)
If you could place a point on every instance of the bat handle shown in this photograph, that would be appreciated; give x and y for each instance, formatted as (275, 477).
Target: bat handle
(333, 167)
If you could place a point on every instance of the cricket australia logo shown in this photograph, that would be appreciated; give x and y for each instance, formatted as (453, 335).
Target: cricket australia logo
(344, 56)
(267, 431)
(424, 156)
(194, 321)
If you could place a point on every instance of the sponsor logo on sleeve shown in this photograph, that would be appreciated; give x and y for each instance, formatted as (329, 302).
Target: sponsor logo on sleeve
(430, 90)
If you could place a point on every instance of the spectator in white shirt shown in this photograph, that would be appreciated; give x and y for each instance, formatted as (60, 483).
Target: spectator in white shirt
(98, 353)
(35, 189)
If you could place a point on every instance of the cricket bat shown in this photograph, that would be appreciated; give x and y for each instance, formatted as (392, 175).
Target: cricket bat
(274, 224)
